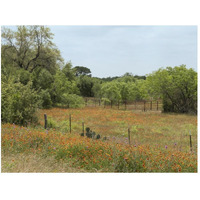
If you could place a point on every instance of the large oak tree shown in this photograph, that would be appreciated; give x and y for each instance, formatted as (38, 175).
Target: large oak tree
(30, 47)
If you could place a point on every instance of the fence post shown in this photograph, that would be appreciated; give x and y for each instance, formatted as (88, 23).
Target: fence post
(157, 105)
(129, 136)
(104, 104)
(99, 102)
(190, 141)
(118, 104)
(135, 105)
(125, 104)
(45, 121)
(83, 128)
(95, 102)
(111, 103)
(144, 106)
(151, 105)
(70, 123)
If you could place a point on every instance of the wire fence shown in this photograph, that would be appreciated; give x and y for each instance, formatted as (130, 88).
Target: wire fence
(121, 133)
(142, 105)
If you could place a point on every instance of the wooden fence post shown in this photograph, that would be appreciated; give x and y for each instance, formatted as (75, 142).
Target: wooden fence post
(83, 128)
(111, 103)
(190, 141)
(45, 121)
(118, 104)
(129, 136)
(135, 105)
(99, 102)
(151, 105)
(144, 106)
(125, 104)
(157, 105)
(70, 123)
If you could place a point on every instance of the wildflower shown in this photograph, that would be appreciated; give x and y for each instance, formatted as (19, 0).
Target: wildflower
(135, 145)
(175, 144)
(165, 146)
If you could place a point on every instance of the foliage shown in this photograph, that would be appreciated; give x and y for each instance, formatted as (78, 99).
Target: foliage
(110, 91)
(42, 79)
(30, 47)
(177, 87)
(96, 89)
(19, 103)
(82, 71)
(72, 100)
(51, 123)
(69, 71)
(60, 86)
(45, 99)
(127, 77)
(85, 85)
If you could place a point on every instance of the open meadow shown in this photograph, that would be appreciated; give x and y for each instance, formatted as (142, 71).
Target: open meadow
(158, 142)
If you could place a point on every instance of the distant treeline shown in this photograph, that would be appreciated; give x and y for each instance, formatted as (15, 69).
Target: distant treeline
(34, 75)
(107, 79)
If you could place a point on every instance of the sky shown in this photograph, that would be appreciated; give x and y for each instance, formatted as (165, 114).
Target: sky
(115, 50)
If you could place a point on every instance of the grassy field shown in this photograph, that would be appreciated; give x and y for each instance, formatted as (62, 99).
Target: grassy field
(159, 142)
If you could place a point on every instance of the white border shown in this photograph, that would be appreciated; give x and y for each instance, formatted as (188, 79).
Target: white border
(99, 186)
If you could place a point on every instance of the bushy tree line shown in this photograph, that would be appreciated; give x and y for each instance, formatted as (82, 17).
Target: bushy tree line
(34, 75)
(177, 87)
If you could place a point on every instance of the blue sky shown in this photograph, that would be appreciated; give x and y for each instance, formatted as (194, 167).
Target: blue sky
(115, 50)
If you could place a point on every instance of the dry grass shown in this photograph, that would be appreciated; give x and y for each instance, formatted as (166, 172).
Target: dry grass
(23, 163)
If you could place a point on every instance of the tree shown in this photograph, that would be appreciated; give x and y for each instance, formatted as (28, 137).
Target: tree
(96, 89)
(69, 71)
(60, 86)
(85, 85)
(127, 77)
(177, 87)
(42, 79)
(82, 71)
(111, 91)
(30, 47)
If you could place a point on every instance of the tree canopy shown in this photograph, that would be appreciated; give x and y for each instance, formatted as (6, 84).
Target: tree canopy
(30, 47)
(177, 87)
(80, 70)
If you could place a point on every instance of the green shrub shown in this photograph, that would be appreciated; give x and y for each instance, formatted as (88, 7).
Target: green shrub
(72, 101)
(19, 103)
(45, 99)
